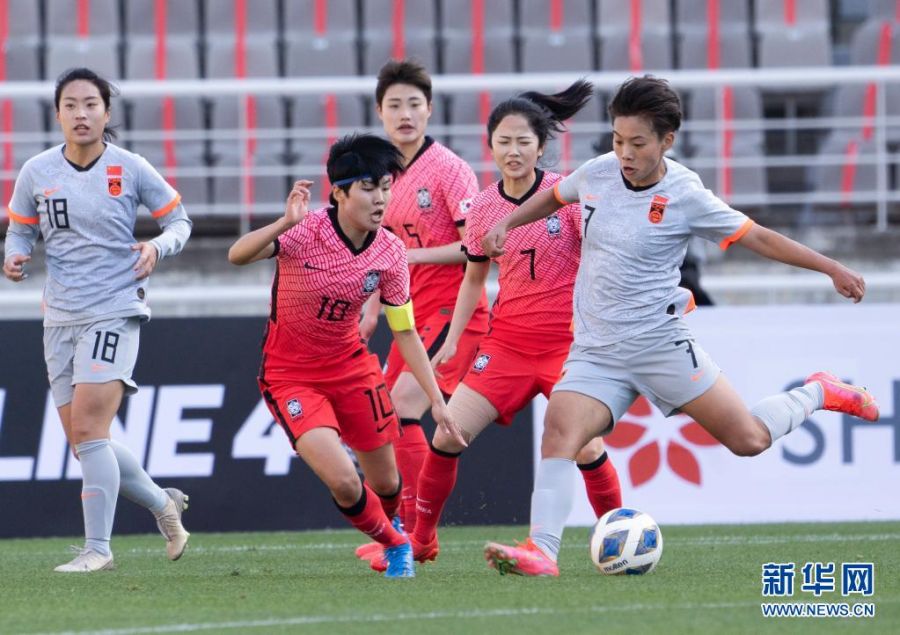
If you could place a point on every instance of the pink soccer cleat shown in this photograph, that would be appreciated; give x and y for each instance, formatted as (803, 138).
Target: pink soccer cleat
(523, 559)
(374, 553)
(847, 398)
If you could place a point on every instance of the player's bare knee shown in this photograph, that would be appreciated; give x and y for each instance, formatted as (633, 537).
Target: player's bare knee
(346, 490)
(590, 452)
(749, 445)
(384, 484)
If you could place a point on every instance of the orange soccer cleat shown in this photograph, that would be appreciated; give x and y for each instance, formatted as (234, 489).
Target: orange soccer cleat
(523, 559)
(373, 552)
(847, 398)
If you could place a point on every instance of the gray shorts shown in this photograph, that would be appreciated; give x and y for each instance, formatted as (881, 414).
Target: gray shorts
(665, 365)
(94, 353)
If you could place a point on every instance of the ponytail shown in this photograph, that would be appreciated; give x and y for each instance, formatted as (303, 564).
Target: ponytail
(544, 113)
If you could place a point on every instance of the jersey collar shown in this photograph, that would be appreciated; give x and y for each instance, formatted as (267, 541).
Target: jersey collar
(427, 144)
(538, 177)
(87, 167)
(370, 237)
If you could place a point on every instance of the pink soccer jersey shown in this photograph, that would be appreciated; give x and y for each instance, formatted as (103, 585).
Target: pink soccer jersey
(537, 272)
(321, 282)
(428, 204)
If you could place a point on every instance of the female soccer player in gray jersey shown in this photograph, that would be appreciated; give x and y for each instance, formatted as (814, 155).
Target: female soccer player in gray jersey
(639, 209)
(83, 197)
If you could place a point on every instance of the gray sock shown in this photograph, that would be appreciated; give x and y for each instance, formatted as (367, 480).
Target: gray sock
(135, 484)
(783, 412)
(99, 492)
(551, 502)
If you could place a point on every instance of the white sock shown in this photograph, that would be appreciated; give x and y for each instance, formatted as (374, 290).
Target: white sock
(551, 502)
(135, 484)
(98, 493)
(784, 412)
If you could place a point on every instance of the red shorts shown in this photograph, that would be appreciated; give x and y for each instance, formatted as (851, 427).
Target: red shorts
(510, 378)
(351, 397)
(433, 332)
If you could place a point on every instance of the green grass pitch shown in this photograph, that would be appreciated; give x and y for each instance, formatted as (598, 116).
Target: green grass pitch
(709, 581)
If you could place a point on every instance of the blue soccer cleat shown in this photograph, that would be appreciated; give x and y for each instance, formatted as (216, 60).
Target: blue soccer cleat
(399, 559)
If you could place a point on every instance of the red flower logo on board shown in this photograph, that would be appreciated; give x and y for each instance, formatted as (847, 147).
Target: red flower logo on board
(645, 462)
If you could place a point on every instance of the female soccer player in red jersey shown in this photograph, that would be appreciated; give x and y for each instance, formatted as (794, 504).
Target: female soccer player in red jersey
(640, 210)
(427, 212)
(536, 280)
(318, 379)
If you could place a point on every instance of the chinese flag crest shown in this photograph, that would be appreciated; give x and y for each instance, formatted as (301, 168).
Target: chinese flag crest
(114, 178)
(657, 209)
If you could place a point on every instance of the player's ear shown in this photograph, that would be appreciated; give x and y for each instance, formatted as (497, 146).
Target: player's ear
(378, 111)
(668, 140)
(339, 194)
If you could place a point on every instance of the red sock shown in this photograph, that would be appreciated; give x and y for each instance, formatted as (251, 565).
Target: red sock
(410, 449)
(602, 483)
(435, 485)
(367, 515)
(391, 502)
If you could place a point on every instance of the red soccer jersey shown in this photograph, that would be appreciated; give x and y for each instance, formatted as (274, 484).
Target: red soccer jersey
(321, 282)
(537, 273)
(428, 205)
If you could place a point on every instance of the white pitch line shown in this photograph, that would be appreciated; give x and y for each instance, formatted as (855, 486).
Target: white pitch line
(461, 545)
(431, 615)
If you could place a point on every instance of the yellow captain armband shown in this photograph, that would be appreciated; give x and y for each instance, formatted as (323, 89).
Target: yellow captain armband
(400, 318)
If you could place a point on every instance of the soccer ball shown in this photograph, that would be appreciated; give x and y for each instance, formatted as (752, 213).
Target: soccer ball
(626, 541)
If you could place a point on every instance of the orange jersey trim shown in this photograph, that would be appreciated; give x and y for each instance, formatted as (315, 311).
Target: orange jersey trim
(691, 305)
(559, 197)
(736, 236)
(23, 220)
(162, 211)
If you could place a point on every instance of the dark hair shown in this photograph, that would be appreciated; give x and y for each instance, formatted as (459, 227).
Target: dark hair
(544, 113)
(107, 91)
(362, 154)
(649, 97)
(403, 72)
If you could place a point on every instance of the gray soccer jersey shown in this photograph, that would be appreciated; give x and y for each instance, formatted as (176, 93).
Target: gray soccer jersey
(87, 218)
(634, 243)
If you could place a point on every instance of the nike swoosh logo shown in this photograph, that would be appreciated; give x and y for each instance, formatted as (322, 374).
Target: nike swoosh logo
(306, 265)
(381, 428)
(51, 192)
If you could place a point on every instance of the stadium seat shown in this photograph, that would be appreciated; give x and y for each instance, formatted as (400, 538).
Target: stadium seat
(557, 51)
(696, 51)
(179, 61)
(617, 16)
(564, 15)
(876, 42)
(397, 28)
(861, 100)
(22, 23)
(556, 36)
(794, 47)
(21, 61)
(693, 16)
(74, 18)
(851, 172)
(884, 10)
(181, 18)
(497, 54)
(806, 15)
(19, 117)
(730, 182)
(260, 18)
(321, 56)
(317, 18)
(617, 54)
(744, 104)
(99, 54)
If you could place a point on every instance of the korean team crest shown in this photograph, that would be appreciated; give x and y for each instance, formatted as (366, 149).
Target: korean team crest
(423, 198)
(481, 363)
(371, 281)
(114, 179)
(554, 226)
(294, 408)
(465, 205)
(657, 209)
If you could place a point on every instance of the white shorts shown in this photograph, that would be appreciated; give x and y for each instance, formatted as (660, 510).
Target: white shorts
(665, 365)
(94, 353)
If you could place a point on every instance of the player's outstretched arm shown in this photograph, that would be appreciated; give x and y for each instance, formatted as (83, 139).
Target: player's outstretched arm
(469, 294)
(259, 244)
(538, 206)
(775, 246)
(416, 357)
(449, 254)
